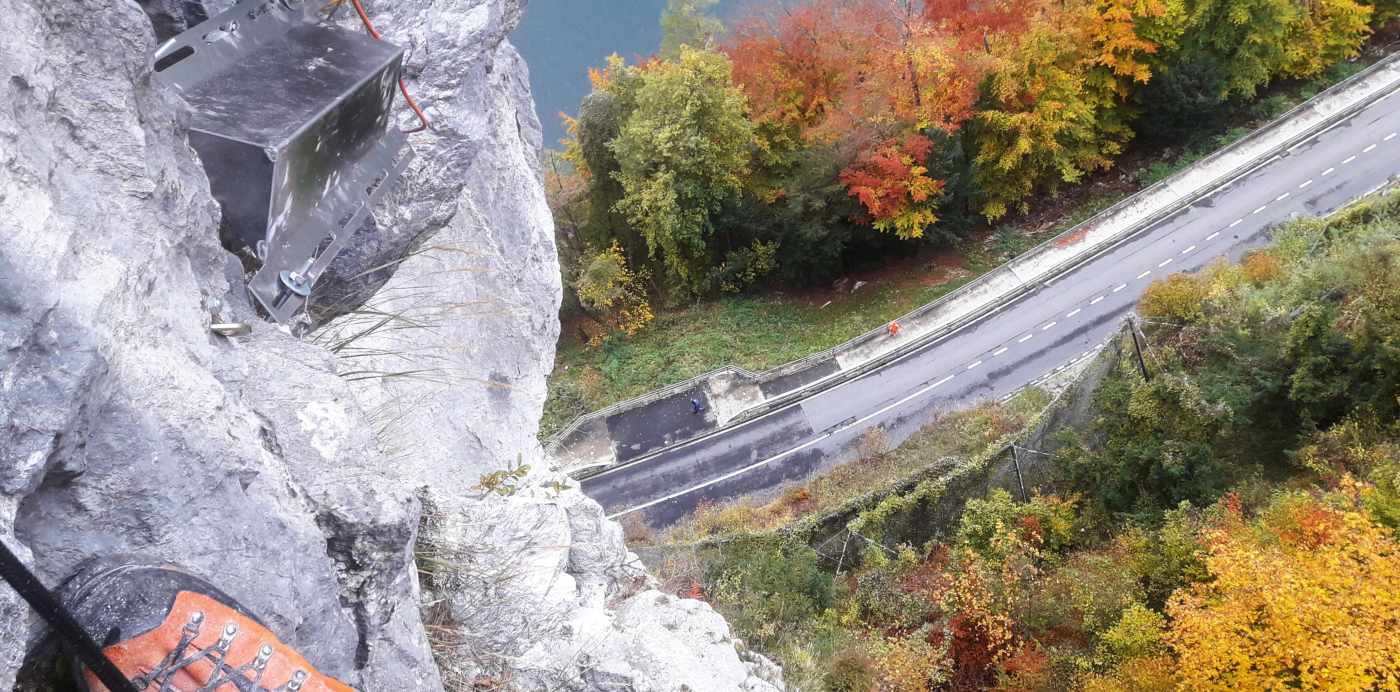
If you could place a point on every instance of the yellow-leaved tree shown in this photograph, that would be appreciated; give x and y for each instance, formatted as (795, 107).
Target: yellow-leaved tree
(1313, 606)
(611, 293)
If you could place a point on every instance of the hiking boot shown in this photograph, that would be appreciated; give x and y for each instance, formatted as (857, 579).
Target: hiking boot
(167, 629)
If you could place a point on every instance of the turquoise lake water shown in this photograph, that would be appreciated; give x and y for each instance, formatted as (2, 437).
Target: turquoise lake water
(561, 39)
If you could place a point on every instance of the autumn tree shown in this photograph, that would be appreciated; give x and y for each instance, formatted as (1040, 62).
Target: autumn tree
(982, 25)
(1043, 127)
(1311, 603)
(892, 183)
(681, 154)
(588, 148)
(1326, 31)
(1248, 39)
(611, 293)
(688, 23)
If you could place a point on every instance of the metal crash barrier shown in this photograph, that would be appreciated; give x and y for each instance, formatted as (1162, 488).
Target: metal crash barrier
(290, 117)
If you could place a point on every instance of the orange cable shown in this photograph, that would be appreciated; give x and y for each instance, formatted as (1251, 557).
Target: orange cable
(403, 87)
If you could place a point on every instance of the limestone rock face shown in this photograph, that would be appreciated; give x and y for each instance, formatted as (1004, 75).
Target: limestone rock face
(314, 479)
(126, 426)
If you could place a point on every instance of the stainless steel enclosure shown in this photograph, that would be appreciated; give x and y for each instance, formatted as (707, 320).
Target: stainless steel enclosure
(290, 118)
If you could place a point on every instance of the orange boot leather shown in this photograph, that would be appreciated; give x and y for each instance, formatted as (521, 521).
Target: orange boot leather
(167, 629)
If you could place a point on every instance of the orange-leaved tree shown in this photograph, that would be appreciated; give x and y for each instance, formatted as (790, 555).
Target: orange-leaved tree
(892, 182)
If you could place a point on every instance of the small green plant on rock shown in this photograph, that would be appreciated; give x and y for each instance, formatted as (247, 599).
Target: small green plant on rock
(504, 482)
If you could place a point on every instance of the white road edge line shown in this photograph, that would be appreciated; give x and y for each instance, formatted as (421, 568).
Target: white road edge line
(1119, 287)
(1095, 300)
(1139, 276)
(1073, 312)
(999, 351)
(780, 455)
(1212, 236)
(1328, 171)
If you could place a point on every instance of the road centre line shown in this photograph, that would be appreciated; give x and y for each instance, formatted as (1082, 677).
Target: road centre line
(1261, 208)
(1212, 236)
(1139, 276)
(1282, 197)
(1073, 312)
(1048, 325)
(1367, 150)
(1236, 222)
(999, 351)
(1348, 159)
(975, 364)
(1024, 339)
(1389, 137)
(1305, 183)
(1328, 171)
(1164, 263)
(1188, 250)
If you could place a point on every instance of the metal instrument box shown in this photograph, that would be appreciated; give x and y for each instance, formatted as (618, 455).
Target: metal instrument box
(290, 117)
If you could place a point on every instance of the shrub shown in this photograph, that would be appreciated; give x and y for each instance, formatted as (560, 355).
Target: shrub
(1261, 267)
(1046, 522)
(1177, 297)
(852, 670)
(769, 585)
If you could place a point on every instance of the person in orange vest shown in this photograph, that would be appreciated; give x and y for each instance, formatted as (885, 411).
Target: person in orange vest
(894, 329)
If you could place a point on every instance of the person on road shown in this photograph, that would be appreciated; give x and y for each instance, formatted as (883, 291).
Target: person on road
(894, 329)
(696, 407)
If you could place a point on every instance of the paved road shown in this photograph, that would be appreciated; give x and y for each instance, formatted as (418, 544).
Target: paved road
(1024, 340)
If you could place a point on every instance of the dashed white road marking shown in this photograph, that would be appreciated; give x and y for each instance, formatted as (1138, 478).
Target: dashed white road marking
(975, 364)
(1119, 287)
(1024, 339)
(1282, 197)
(1349, 159)
(1389, 137)
(1139, 276)
(1164, 263)
(999, 351)
(1048, 325)
(1212, 236)
(1073, 312)
(1188, 250)
(1305, 183)
(1261, 208)
(1095, 300)
(1328, 171)
(1367, 150)
(1236, 222)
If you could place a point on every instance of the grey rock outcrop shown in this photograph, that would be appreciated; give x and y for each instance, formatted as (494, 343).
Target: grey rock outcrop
(532, 579)
(125, 425)
(295, 474)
